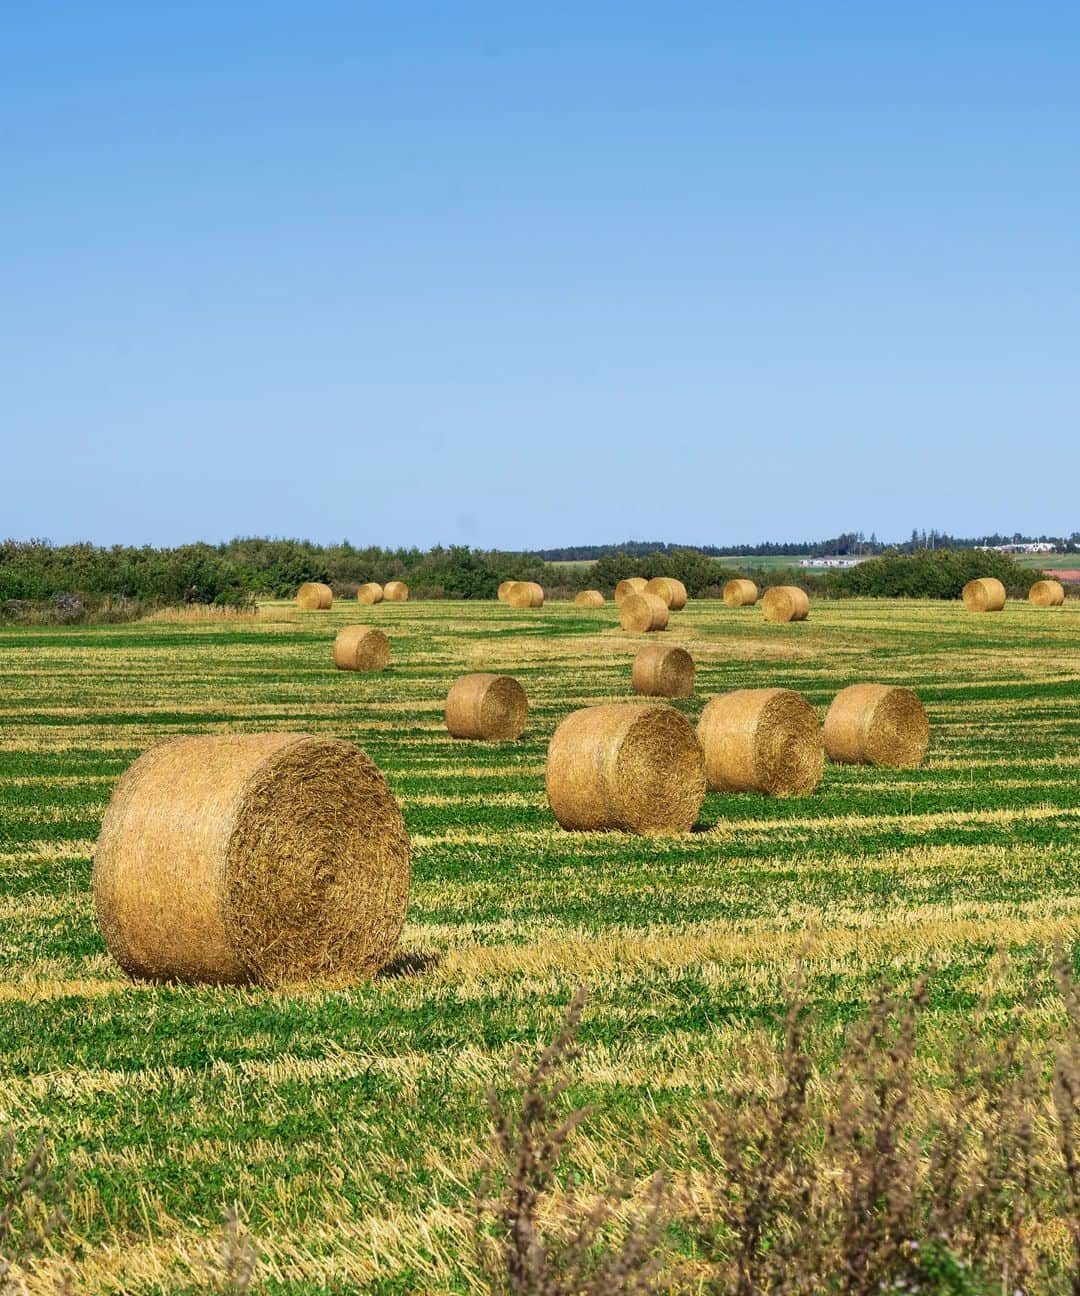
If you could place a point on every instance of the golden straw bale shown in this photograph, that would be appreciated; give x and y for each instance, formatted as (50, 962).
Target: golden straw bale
(876, 724)
(662, 670)
(486, 706)
(643, 612)
(252, 858)
(1047, 593)
(680, 599)
(632, 585)
(525, 594)
(396, 592)
(984, 594)
(740, 593)
(361, 648)
(369, 593)
(626, 767)
(672, 591)
(504, 589)
(589, 598)
(761, 740)
(314, 596)
(785, 603)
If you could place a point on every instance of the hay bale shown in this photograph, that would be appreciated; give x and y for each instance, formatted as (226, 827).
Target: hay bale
(1047, 593)
(632, 585)
(643, 612)
(314, 596)
(504, 589)
(876, 724)
(761, 740)
(627, 768)
(486, 706)
(589, 598)
(396, 592)
(369, 593)
(785, 603)
(525, 594)
(672, 591)
(680, 600)
(662, 670)
(740, 593)
(252, 858)
(984, 594)
(361, 648)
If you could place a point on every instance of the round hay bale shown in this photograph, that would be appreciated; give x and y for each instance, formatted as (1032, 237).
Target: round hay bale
(672, 591)
(589, 598)
(1047, 593)
(361, 648)
(314, 596)
(761, 740)
(643, 612)
(396, 592)
(486, 706)
(369, 593)
(876, 724)
(740, 593)
(785, 603)
(632, 585)
(627, 768)
(504, 589)
(662, 670)
(681, 597)
(984, 594)
(525, 594)
(252, 858)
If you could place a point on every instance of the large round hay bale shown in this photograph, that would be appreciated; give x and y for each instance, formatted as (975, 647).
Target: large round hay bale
(369, 593)
(626, 767)
(314, 596)
(785, 603)
(662, 670)
(876, 724)
(239, 858)
(643, 612)
(984, 594)
(1047, 593)
(632, 585)
(525, 594)
(740, 593)
(672, 591)
(589, 598)
(486, 706)
(761, 740)
(361, 648)
(396, 592)
(504, 589)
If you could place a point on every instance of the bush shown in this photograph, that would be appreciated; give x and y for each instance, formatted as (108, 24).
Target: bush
(931, 573)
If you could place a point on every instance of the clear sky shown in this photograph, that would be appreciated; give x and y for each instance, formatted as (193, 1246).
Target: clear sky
(528, 274)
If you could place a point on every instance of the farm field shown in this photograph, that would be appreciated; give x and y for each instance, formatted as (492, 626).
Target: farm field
(349, 1125)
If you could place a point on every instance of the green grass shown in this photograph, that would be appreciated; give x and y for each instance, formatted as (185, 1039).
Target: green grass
(348, 1123)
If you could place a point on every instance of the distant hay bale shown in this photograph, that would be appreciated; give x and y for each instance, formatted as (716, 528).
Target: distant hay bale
(396, 592)
(785, 603)
(740, 593)
(361, 648)
(589, 598)
(984, 594)
(1047, 593)
(672, 591)
(662, 670)
(643, 612)
(626, 767)
(314, 596)
(369, 593)
(876, 724)
(525, 594)
(252, 858)
(632, 585)
(761, 740)
(486, 706)
(504, 589)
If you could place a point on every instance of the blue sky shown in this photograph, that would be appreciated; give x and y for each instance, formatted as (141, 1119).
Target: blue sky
(536, 274)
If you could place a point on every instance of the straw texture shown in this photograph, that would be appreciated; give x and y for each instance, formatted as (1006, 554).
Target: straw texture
(643, 612)
(492, 707)
(876, 724)
(1047, 593)
(525, 594)
(984, 594)
(314, 596)
(661, 670)
(241, 858)
(589, 598)
(504, 589)
(740, 593)
(626, 767)
(785, 603)
(396, 592)
(361, 648)
(761, 740)
(369, 593)
(632, 585)
(672, 591)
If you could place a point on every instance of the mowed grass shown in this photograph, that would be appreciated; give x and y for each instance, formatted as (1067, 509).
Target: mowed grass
(349, 1125)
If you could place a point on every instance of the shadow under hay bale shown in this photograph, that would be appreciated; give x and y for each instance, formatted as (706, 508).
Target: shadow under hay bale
(491, 707)
(361, 648)
(761, 740)
(876, 724)
(641, 613)
(662, 670)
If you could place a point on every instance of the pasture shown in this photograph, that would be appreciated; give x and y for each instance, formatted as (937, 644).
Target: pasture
(349, 1125)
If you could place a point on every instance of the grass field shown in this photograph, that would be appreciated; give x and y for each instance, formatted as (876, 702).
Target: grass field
(349, 1124)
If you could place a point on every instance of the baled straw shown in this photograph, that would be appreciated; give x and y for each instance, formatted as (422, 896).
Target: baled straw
(785, 603)
(672, 591)
(589, 598)
(876, 724)
(761, 740)
(525, 594)
(504, 589)
(626, 767)
(486, 706)
(369, 593)
(740, 593)
(314, 596)
(643, 612)
(240, 858)
(396, 592)
(361, 648)
(984, 594)
(661, 670)
(1047, 593)
(632, 585)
